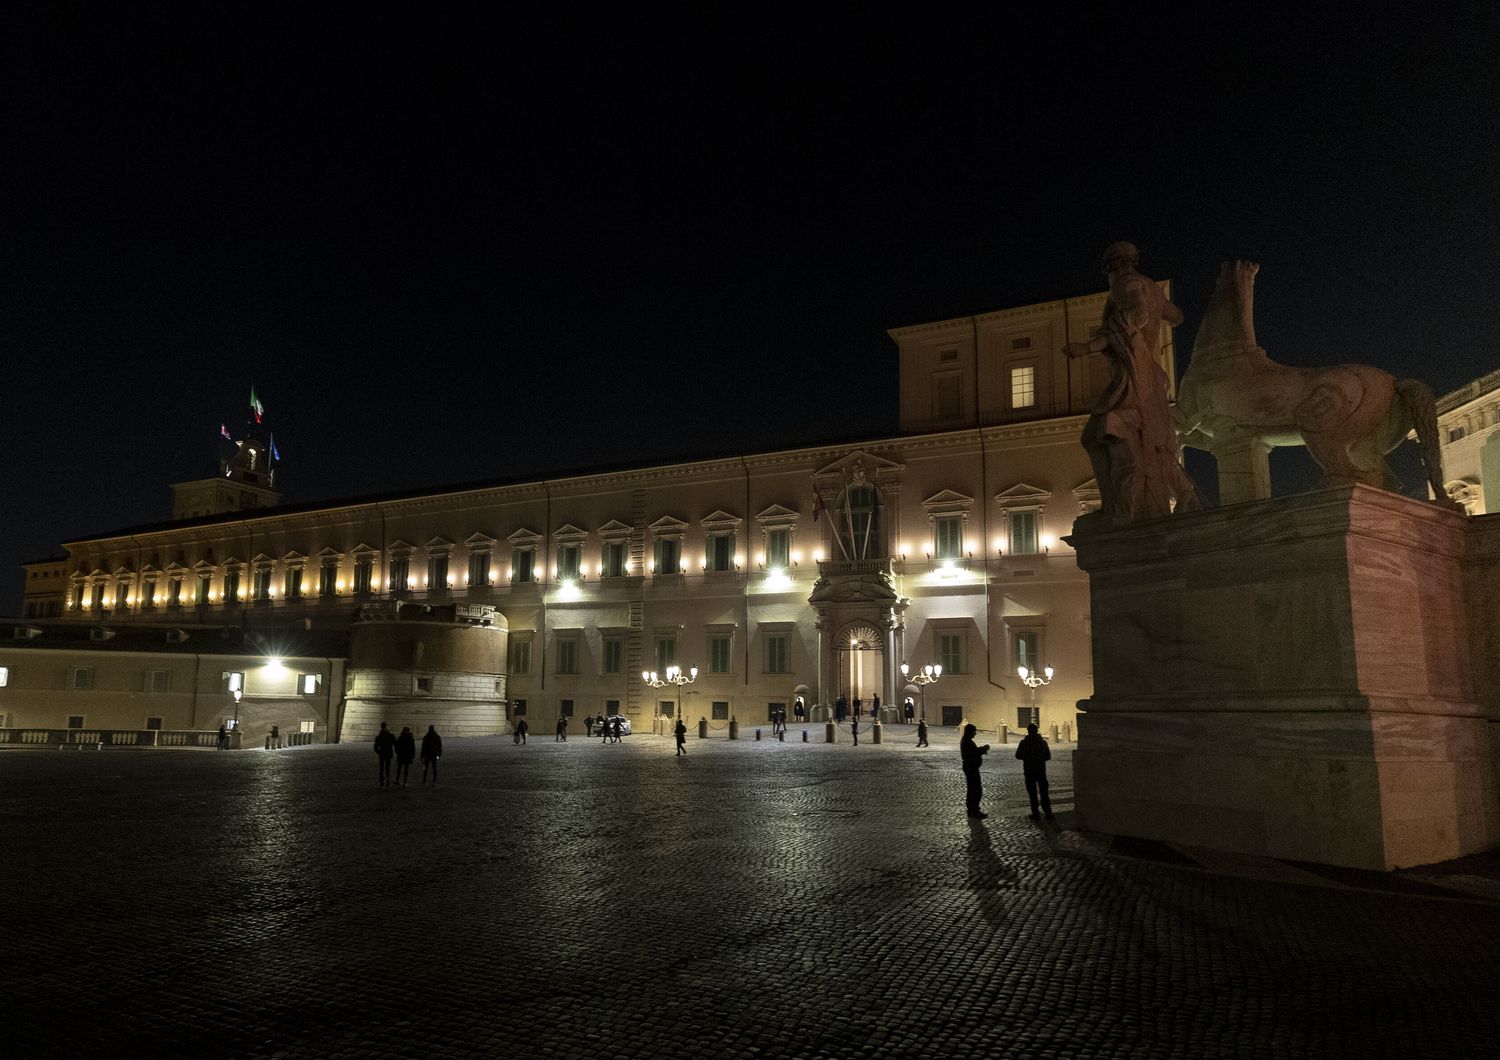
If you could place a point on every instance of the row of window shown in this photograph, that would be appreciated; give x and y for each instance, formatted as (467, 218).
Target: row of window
(157, 681)
(719, 710)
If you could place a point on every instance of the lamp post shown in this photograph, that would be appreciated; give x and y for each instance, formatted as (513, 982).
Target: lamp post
(1033, 680)
(673, 676)
(930, 673)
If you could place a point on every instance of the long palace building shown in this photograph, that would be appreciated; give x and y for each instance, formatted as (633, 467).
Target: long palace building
(811, 572)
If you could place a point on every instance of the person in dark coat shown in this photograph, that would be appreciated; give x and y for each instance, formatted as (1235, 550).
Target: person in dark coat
(406, 754)
(432, 750)
(840, 708)
(911, 710)
(972, 757)
(521, 730)
(588, 725)
(1034, 755)
(223, 744)
(614, 728)
(854, 724)
(922, 733)
(562, 730)
(385, 747)
(875, 706)
(799, 711)
(680, 731)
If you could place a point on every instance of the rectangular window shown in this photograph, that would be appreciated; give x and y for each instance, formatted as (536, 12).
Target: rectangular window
(156, 680)
(422, 684)
(950, 652)
(479, 568)
(666, 707)
(328, 578)
(364, 575)
(1028, 716)
(1023, 387)
(122, 594)
(148, 593)
(518, 708)
(666, 653)
(520, 656)
(200, 591)
(521, 566)
(293, 583)
(1455, 433)
(75, 721)
(437, 571)
(948, 531)
(720, 553)
(668, 555)
(174, 592)
(565, 707)
(98, 596)
(614, 559)
(614, 655)
(1028, 651)
(718, 653)
(231, 585)
(82, 677)
(568, 557)
(721, 710)
(778, 549)
(1023, 539)
(400, 574)
(4, 676)
(611, 706)
(308, 726)
(308, 684)
(260, 584)
(776, 653)
(153, 724)
(1021, 343)
(567, 655)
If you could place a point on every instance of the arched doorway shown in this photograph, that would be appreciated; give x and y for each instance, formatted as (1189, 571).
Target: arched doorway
(861, 663)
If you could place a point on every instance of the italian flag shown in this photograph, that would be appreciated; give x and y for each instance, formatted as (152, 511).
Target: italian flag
(255, 406)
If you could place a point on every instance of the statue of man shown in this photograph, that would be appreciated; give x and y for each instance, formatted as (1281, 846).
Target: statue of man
(1130, 438)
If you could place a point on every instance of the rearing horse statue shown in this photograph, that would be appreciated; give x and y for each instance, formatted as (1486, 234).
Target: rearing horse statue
(1349, 417)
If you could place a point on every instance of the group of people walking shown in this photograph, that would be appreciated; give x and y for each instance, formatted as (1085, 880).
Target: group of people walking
(403, 749)
(611, 729)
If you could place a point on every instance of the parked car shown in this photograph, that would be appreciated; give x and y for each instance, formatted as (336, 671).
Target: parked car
(606, 723)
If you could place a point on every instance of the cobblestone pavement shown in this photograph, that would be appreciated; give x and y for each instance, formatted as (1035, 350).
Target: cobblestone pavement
(749, 900)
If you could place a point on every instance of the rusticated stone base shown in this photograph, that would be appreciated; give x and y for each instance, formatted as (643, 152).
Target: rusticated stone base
(1287, 678)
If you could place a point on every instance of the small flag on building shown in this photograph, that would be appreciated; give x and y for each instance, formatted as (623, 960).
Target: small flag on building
(224, 433)
(275, 453)
(817, 505)
(256, 406)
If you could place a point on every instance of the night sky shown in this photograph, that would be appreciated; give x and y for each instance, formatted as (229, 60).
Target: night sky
(454, 247)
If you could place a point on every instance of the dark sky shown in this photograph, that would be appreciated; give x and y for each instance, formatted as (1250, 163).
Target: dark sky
(455, 247)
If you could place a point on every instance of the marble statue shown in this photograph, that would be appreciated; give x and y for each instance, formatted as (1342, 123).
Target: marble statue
(1130, 437)
(1235, 400)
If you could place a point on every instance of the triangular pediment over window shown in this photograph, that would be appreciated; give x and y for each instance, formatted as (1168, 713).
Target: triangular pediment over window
(362, 549)
(778, 515)
(479, 542)
(399, 545)
(720, 520)
(1022, 495)
(869, 462)
(294, 557)
(668, 525)
(613, 529)
(569, 532)
(330, 553)
(1087, 495)
(439, 544)
(524, 536)
(947, 502)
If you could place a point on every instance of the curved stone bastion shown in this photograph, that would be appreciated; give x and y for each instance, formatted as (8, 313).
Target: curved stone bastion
(426, 664)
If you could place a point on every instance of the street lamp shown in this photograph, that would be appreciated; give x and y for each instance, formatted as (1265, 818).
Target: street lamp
(930, 673)
(673, 676)
(1033, 680)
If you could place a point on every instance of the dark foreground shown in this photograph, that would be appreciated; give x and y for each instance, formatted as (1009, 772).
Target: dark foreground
(753, 899)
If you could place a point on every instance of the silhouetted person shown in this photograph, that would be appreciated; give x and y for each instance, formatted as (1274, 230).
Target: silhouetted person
(854, 723)
(840, 708)
(385, 746)
(614, 728)
(681, 733)
(432, 750)
(562, 730)
(521, 728)
(875, 706)
(922, 733)
(799, 711)
(223, 738)
(275, 735)
(588, 725)
(1034, 755)
(406, 754)
(911, 711)
(972, 757)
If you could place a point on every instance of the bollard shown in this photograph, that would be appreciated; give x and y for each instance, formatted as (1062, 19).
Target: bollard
(804, 735)
(702, 728)
(830, 733)
(781, 735)
(1004, 734)
(757, 732)
(875, 732)
(734, 729)
(268, 743)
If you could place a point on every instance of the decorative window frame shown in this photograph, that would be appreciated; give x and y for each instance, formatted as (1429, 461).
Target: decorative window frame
(477, 544)
(1021, 498)
(659, 634)
(720, 524)
(1015, 624)
(363, 554)
(575, 636)
(777, 517)
(524, 540)
(616, 634)
(668, 528)
(518, 638)
(945, 504)
(1008, 369)
(614, 532)
(570, 537)
(438, 548)
(262, 574)
(294, 561)
(712, 632)
(151, 576)
(1086, 493)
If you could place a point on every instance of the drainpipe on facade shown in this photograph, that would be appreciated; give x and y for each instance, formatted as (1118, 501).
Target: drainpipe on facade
(745, 637)
(546, 576)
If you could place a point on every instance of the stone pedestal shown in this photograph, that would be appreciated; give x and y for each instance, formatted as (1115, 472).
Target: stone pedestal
(1287, 678)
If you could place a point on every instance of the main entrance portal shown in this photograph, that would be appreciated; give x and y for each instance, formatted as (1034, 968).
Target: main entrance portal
(861, 665)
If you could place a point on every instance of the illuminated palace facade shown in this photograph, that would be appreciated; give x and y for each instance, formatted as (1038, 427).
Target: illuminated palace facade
(811, 572)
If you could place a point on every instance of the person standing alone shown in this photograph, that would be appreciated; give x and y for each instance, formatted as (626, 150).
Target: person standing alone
(432, 750)
(1034, 755)
(406, 754)
(973, 757)
(681, 733)
(385, 747)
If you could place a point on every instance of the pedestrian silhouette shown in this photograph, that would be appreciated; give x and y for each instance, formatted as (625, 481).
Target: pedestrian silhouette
(972, 757)
(614, 728)
(1034, 755)
(922, 733)
(911, 711)
(875, 706)
(521, 728)
(681, 732)
(840, 708)
(854, 723)
(385, 746)
(562, 730)
(275, 735)
(406, 754)
(432, 750)
(223, 744)
(588, 725)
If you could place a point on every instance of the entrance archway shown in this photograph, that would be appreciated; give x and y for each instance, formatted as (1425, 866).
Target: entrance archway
(861, 663)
